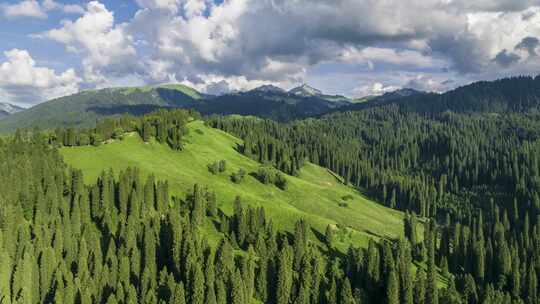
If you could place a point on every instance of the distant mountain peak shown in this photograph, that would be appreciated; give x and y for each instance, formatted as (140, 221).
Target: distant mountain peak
(6, 109)
(399, 93)
(9, 108)
(305, 91)
(268, 88)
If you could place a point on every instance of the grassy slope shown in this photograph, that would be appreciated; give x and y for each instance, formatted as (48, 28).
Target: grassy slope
(314, 195)
(178, 87)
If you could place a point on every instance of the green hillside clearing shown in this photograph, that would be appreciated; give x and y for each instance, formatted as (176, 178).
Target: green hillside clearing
(315, 195)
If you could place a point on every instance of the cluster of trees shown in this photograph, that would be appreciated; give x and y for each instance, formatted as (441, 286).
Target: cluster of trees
(268, 175)
(266, 148)
(166, 127)
(238, 176)
(124, 239)
(476, 174)
(218, 167)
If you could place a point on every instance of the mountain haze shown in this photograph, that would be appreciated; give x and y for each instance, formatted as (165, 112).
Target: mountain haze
(7, 109)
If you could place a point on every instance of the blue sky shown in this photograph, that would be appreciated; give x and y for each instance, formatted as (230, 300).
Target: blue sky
(51, 48)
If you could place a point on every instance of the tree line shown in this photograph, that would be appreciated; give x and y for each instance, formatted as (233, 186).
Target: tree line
(165, 126)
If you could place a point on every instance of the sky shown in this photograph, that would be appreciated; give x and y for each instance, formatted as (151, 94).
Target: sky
(52, 48)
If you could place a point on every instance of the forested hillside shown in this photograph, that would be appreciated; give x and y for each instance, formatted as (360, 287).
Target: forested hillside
(129, 237)
(166, 208)
(477, 175)
(517, 94)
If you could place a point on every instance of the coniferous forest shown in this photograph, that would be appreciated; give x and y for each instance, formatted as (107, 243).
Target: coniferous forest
(475, 175)
(125, 240)
(270, 152)
(468, 183)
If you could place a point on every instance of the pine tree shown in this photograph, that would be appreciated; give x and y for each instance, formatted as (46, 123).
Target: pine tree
(431, 285)
(284, 276)
(392, 288)
(179, 296)
(198, 209)
(238, 290)
(346, 293)
(420, 287)
(196, 285)
(329, 235)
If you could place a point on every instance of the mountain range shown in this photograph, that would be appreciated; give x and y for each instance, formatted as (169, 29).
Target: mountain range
(84, 108)
(517, 94)
(7, 109)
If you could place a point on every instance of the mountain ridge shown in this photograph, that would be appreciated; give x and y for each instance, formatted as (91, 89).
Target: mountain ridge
(84, 108)
(517, 94)
(7, 109)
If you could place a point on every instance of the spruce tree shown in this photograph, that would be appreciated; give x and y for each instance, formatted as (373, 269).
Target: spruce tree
(284, 276)
(392, 288)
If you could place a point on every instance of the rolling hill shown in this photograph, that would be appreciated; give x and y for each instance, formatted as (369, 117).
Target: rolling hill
(315, 195)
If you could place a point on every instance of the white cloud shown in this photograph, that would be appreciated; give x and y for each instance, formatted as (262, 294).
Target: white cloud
(168, 5)
(499, 31)
(217, 84)
(239, 44)
(35, 9)
(428, 83)
(374, 89)
(402, 58)
(27, 8)
(25, 83)
(106, 48)
(50, 5)
(278, 40)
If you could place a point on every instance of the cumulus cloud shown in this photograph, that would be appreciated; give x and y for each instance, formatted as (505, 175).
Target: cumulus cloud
(429, 83)
(237, 44)
(226, 40)
(49, 5)
(23, 82)
(107, 49)
(169, 5)
(402, 58)
(374, 89)
(35, 9)
(27, 8)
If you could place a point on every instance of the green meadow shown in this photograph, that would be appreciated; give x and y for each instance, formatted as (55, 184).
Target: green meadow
(316, 195)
